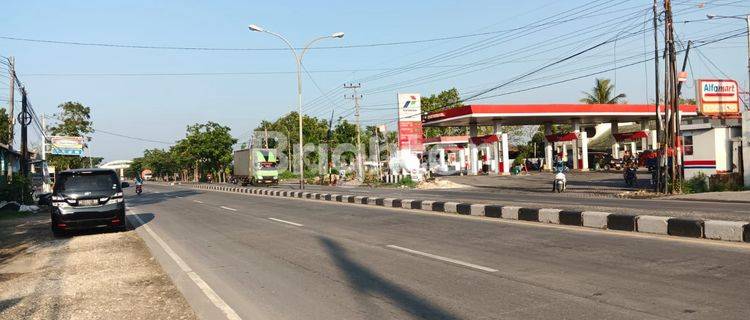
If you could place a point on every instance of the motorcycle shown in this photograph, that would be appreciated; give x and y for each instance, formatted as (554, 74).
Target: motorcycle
(560, 181)
(138, 189)
(630, 176)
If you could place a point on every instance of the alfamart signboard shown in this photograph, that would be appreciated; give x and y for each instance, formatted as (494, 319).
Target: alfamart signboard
(66, 146)
(410, 134)
(718, 97)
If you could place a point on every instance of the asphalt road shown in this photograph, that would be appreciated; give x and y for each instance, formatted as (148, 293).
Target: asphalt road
(675, 208)
(277, 258)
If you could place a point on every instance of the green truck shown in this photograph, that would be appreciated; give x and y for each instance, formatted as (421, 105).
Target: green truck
(255, 166)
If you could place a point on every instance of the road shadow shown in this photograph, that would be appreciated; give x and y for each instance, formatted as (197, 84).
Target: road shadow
(147, 198)
(135, 221)
(365, 281)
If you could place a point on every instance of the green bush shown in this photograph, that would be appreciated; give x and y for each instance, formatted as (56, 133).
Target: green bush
(407, 182)
(17, 189)
(696, 184)
(725, 182)
(286, 175)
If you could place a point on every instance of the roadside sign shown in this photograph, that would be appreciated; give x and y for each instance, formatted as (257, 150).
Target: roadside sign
(410, 135)
(718, 97)
(66, 146)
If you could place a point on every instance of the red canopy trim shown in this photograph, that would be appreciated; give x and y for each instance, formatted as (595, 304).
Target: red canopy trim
(490, 138)
(570, 136)
(630, 135)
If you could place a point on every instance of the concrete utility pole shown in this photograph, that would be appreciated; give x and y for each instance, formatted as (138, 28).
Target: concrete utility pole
(659, 134)
(25, 118)
(356, 97)
(11, 98)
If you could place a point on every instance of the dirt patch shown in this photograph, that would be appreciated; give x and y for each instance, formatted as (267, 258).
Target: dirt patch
(94, 275)
(440, 184)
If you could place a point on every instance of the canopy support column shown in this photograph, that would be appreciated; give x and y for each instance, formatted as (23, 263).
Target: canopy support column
(584, 150)
(506, 159)
(574, 143)
(473, 150)
(547, 147)
(616, 144)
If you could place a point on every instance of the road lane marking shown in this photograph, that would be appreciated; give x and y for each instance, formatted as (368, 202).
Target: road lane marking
(207, 290)
(287, 222)
(198, 201)
(441, 258)
(228, 208)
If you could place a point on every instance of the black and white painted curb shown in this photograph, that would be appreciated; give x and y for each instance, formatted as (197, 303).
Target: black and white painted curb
(738, 231)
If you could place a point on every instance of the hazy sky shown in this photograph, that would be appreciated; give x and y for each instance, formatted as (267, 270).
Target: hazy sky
(155, 93)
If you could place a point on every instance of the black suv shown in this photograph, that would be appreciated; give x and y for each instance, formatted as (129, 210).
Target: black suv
(87, 198)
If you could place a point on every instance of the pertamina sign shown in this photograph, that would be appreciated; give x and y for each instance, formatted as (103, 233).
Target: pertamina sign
(718, 97)
(410, 134)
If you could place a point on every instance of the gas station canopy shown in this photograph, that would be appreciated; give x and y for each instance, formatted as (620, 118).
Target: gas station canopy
(537, 114)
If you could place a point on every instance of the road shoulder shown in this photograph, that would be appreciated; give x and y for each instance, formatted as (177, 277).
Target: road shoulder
(92, 275)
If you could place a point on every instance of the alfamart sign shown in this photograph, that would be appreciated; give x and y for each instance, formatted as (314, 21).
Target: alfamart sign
(718, 97)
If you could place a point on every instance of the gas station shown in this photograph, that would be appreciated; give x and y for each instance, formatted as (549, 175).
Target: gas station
(494, 148)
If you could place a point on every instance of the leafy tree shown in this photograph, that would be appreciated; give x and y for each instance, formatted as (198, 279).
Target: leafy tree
(602, 93)
(74, 119)
(211, 146)
(444, 100)
(4, 126)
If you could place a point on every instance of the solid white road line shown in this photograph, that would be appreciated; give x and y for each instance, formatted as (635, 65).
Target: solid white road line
(210, 293)
(436, 257)
(198, 201)
(228, 208)
(287, 222)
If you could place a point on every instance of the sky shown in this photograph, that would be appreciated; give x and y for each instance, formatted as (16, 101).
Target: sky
(152, 94)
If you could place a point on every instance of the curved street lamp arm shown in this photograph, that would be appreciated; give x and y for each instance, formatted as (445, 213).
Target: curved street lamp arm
(309, 44)
(289, 44)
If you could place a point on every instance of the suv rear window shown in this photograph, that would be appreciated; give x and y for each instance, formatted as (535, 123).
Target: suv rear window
(86, 181)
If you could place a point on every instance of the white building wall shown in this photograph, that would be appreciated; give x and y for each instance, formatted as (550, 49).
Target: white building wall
(704, 149)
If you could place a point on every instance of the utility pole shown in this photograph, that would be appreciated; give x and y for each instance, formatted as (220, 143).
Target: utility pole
(672, 101)
(11, 99)
(25, 119)
(356, 97)
(659, 134)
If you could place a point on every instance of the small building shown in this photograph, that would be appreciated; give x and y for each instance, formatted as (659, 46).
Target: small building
(711, 145)
(10, 160)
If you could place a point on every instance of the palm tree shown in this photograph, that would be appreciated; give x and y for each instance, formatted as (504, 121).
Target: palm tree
(601, 93)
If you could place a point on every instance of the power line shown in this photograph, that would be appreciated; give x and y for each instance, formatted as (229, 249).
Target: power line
(131, 137)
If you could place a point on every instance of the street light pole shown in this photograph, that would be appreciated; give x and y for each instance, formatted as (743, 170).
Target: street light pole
(298, 60)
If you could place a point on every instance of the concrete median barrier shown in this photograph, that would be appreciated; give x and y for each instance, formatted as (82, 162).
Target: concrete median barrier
(493, 211)
(510, 213)
(438, 206)
(621, 221)
(426, 205)
(465, 209)
(595, 219)
(571, 217)
(724, 230)
(685, 227)
(549, 216)
(528, 214)
(653, 224)
(411, 204)
(450, 207)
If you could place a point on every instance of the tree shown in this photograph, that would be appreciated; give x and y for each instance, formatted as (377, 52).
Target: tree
(74, 119)
(4, 127)
(210, 144)
(601, 93)
(444, 100)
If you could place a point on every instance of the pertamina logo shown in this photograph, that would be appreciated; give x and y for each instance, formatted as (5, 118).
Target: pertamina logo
(412, 101)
